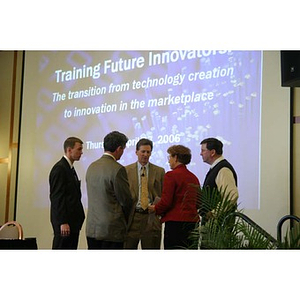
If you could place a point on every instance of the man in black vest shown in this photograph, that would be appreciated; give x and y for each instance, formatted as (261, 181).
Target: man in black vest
(221, 175)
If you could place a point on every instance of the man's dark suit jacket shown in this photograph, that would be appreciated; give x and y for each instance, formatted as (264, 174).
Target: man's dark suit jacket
(65, 197)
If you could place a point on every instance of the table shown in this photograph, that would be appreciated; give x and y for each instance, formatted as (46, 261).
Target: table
(25, 244)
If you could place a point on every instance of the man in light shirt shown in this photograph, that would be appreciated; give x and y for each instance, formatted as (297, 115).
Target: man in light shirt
(221, 174)
(143, 226)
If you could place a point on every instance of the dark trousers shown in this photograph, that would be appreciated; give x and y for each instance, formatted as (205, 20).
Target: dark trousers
(94, 244)
(176, 235)
(67, 243)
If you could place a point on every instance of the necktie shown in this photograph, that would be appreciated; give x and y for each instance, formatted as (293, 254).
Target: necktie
(74, 173)
(144, 189)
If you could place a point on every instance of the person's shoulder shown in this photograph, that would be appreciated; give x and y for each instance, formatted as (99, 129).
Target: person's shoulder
(194, 177)
(179, 171)
(156, 167)
(171, 173)
(131, 166)
(59, 164)
(60, 167)
(94, 164)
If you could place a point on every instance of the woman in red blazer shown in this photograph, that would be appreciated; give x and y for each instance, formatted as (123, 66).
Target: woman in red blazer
(177, 206)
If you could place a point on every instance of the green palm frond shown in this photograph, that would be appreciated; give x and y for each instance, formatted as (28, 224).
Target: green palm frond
(292, 238)
(219, 205)
(228, 228)
(251, 237)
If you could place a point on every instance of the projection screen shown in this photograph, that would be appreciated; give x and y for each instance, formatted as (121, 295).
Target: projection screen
(170, 97)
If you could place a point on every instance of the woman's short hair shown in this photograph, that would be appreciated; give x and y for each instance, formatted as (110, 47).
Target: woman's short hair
(183, 153)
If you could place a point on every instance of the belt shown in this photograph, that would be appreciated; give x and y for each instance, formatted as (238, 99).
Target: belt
(141, 211)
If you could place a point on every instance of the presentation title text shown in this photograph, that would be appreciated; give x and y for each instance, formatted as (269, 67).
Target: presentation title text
(128, 64)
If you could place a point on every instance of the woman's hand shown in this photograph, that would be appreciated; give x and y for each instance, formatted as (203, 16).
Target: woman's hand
(151, 208)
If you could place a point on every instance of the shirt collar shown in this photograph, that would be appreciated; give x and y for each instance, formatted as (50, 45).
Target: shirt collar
(217, 161)
(68, 160)
(105, 153)
(140, 166)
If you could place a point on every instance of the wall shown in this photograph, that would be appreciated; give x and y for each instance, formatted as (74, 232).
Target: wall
(10, 87)
(275, 147)
(296, 149)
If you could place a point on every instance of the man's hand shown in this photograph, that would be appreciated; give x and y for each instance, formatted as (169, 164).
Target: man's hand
(209, 215)
(65, 229)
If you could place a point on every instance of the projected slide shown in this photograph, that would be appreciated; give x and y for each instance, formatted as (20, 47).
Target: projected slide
(170, 97)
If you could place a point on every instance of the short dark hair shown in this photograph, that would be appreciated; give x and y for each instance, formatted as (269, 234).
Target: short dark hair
(183, 153)
(113, 140)
(70, 142)
(144, 142)
(213, 144)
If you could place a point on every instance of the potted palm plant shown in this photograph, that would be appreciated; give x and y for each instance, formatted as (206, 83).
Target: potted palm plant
(224, 226)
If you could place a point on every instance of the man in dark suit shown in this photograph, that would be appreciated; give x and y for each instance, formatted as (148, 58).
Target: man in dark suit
(109, 198)
(67, 214)
(143, 226)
